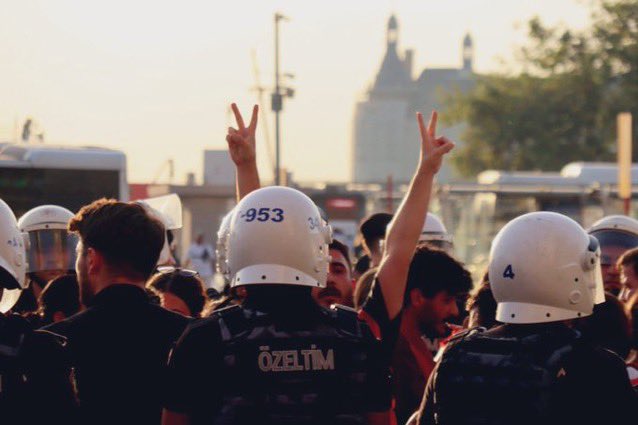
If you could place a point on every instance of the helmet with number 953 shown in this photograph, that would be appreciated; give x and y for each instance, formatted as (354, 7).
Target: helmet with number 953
(277, 236)
(544, 267)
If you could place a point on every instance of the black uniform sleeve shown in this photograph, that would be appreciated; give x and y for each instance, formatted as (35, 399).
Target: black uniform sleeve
(49, 379)
(426, 410)
(375, 308)
(194, 363)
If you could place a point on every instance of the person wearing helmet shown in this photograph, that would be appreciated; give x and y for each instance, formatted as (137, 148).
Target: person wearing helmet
(51, 251)
(282, 356)
(435, 234)
(616, 234)
(168, 210)
(33, 364)
(544, 272)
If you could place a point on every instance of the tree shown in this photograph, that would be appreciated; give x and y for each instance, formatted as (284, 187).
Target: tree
(562, 107)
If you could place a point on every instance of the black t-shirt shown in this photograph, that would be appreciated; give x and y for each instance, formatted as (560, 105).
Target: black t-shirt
(592, 387)
(388, 329)
(119, 347)
(198, 382)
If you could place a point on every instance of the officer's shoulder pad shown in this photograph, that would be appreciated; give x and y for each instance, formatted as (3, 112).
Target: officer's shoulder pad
(339, 308)
(466, 333)
(222, 312)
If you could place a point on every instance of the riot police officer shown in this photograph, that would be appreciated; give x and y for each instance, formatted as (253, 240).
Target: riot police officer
(33, 365)
(51, 250)
(279, 357)
(616, 235)
(544, 272)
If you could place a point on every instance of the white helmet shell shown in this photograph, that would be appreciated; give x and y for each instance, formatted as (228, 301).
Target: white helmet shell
(45, 217)
(51, 246)
(544, 268)
(277, 236)
(221, 248)
(168, 210)
(434, 232)
(616, 222)
(13, 264)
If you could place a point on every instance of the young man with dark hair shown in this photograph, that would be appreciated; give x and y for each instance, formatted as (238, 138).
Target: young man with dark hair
(339, 285)
(120, 343)
(435, 281)
(373, 230)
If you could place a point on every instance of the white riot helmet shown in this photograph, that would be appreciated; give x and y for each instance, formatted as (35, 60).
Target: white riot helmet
(544, 268)
(51, 246)
(13, 265)
(615, 230)
(278, 237)
(221, 248)
(434, 233)
(168, 210)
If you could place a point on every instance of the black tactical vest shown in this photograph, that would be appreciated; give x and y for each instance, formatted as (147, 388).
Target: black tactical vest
(485, 379)
(320, 374)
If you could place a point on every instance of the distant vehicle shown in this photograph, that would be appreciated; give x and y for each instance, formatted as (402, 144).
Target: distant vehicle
(584, 191)
(32, 175)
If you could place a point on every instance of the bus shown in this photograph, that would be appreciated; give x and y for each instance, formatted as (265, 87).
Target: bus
(37, 174)
(583, 191)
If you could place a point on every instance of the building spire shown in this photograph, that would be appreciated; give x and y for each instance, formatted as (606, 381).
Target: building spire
(468, 52)
(392, 35)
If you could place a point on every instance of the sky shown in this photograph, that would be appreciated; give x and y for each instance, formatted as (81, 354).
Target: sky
(155, 78)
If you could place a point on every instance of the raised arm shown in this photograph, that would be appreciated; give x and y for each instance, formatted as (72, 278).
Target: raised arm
(241, 146)
(403, 232)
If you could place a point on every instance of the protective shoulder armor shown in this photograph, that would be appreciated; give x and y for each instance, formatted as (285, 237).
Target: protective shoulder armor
(232, 322)
(466, 333)
(347, 321)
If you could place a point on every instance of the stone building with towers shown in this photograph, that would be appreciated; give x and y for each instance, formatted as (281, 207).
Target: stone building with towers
(385, 134)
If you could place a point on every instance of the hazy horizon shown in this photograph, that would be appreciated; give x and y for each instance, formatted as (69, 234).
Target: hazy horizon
(155, 79)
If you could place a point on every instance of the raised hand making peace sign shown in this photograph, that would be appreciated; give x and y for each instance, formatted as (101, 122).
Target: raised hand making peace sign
(241, 141)
(432, 148)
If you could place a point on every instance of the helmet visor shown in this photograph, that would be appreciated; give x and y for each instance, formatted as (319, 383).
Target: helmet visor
(596, 286)
(51, 249)
(618, 238)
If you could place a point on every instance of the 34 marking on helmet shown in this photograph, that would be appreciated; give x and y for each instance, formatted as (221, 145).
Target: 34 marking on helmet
(314, 222)
(275, 215)
(508, 273)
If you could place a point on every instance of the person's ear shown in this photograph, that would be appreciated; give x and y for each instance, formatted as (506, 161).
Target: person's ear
(416, 297)
(94, 261)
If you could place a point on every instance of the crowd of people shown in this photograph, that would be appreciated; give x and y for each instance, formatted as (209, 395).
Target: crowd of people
(99, 324)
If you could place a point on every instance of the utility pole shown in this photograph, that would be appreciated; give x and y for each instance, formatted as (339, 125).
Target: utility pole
(277, 100)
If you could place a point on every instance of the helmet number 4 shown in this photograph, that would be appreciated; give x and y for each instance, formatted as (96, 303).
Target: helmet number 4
(509, 272)
(275, 215)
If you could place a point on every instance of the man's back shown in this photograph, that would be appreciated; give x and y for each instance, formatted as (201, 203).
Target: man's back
(119, 348)
(527, 374)
(309, 367)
